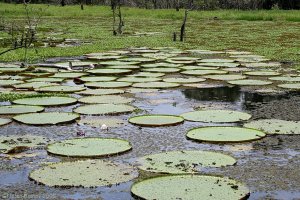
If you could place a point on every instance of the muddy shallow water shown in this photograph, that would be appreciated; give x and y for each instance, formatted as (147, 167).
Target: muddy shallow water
(269, 167)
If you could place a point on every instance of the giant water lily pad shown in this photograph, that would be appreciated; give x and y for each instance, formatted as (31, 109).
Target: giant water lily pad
(216, 60)
(154, 65)
(50, 118)
(98, 78)
(74, 64)
(110, 71)
(123, 67)
(155, 85)
(180, 61)
(11, 70)
(285, 78)
(17, 143)
(34, 85)
(193, 67)
(226, 77)
(108, 84)
(46, 101)
(275, 126)
(203, 72)
(141, 59)
(134, 79)
(147, 74)
(261, 64)
(113, 99)
(51, 80)
(229, 65)
(20, 109)
(68, 75)
(101, 92)
(184, 80)
(292, 86)
(190, 187)
(4, 121)
(250, 82)
(263, 73)
(9, 82)
(224, 134)
(96, 122)
(88, 173)
(175, 162)
(60, 88)
(89, 147)
(218, 116)
(104, 109)
(156, 120)
(119, 63)
(162, 69)
(103, 57)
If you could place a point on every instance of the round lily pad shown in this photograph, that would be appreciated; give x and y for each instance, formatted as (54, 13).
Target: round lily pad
(224, 134)
(141, 59)
(192, 67)
(37, 74)
(184, 80)
(108, 84)
(104, 109)
(87, 173)
(226, 77)
(285, 78)
(217, 116)
(181, 58)
(4, 121)
(230, 65)
(75, 64)
(101, 92)
(216, 60)
(141, 90)
(110, 71)
(154, 65)
(7, 70)
(134, 79)
(103, 57)
(34, 85)
(147, 74)
(9, 82)
(262, 73)
(190, 187)
(162, 69)
(203, 85)
(60, 88)
(96, 122)
(68, 75)
(261, 64)
(123, 67)
(119, 63)
(180, 61)
(292, 86)
(50, 118)
(250, 82)
(156, 120)
(52, 80)
(17, 143)
(155, 85)
(46, 101)
(177, 162)
(19, 109)
(98, 78)
(89, 147)
(275, 126)
(113, 99)
(208, 52)
(203, 72)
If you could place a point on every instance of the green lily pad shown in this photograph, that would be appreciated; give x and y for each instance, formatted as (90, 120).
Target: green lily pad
(17, 143)
(260, 64)
(51, 80)
(170, 60)
(144, 51)
(250, 82)
(110, 71)
(285, 78)
(292, 86)
(75, 64)
(87, 173)
(190, 187)
(19, 109)
(4, 121)
(123, 67)
(141, 90)
(96, 122)
(9, 65)
(7, 70)
(104, 109)
(154, 65)
(183, 80)
(216, 116)
(262, 73)
(134, 79)
(193, 67)
(50, 118)
(147, 74)
(208, 52)
(33, 85)
(275, 126)
(37, 74)
(68, 75)
(12, 77)
(252, 60)
(108, 84)
(142, 59)
(156, 120)
(46, 101)
(203, 72)
(103, 57)
(60, 88)
(98, 78)
(155, 85)
(229, 65)
(224, 134)
(159, 56)
(181, 58)
(216, 60)
(101, 92)
(226, 77)
(203, 85)
(89, 147)
(10, 82)
(119, 63)
(162, 69)
(178, 162)
(113, 99)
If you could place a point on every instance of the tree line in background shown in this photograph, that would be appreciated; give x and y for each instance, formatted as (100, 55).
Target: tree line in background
(178, 4)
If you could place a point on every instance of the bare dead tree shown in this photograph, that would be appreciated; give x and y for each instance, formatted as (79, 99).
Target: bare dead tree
(182, 29)
(116, 9)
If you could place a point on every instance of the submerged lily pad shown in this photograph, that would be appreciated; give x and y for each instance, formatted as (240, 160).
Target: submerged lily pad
(262, 73)
(275, 126)
(89, 147)
(17, 143)
(4, 121)
(184, 80)
(113, 99)
(155, 85)
(292, 86)
(108, 84)
(190, 187)
(156, 120)
(96, 122)
(87, 173)
(203, 72)
(98, 78)
(104, 109)
(175, 162)
(217, 116)
(46, 101)
(226, 77)
(50, 118)
(60, 88)
(110, 71)
(250, 82)
(224, 134)
(101, 92)
(19, 109)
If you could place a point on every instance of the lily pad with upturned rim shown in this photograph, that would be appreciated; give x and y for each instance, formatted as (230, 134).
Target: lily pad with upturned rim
(107, 84)
(147, 74)
(155, 85)
(162, 69)
(107, 99)
(250, 82)
(229, 65)
(60, 88)
(154, 65)
(19, 109)
(46, 101)
(134, 79)
(97, 78)
(263, 73)
(224, 134)
(119, 63)
(33, 85)
(110, 71)
(101, 92)
(226, 77)
(104, 109)
(52, 80)
(183, 80)
(156, 120)
(203, 72)
(69, 75)
(216, 60)
(191, 67)
(292, 86)
(10, 82)
(4, 121)
(286, 78)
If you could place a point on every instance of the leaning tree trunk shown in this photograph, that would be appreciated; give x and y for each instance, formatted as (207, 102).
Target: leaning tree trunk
(182, 30)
